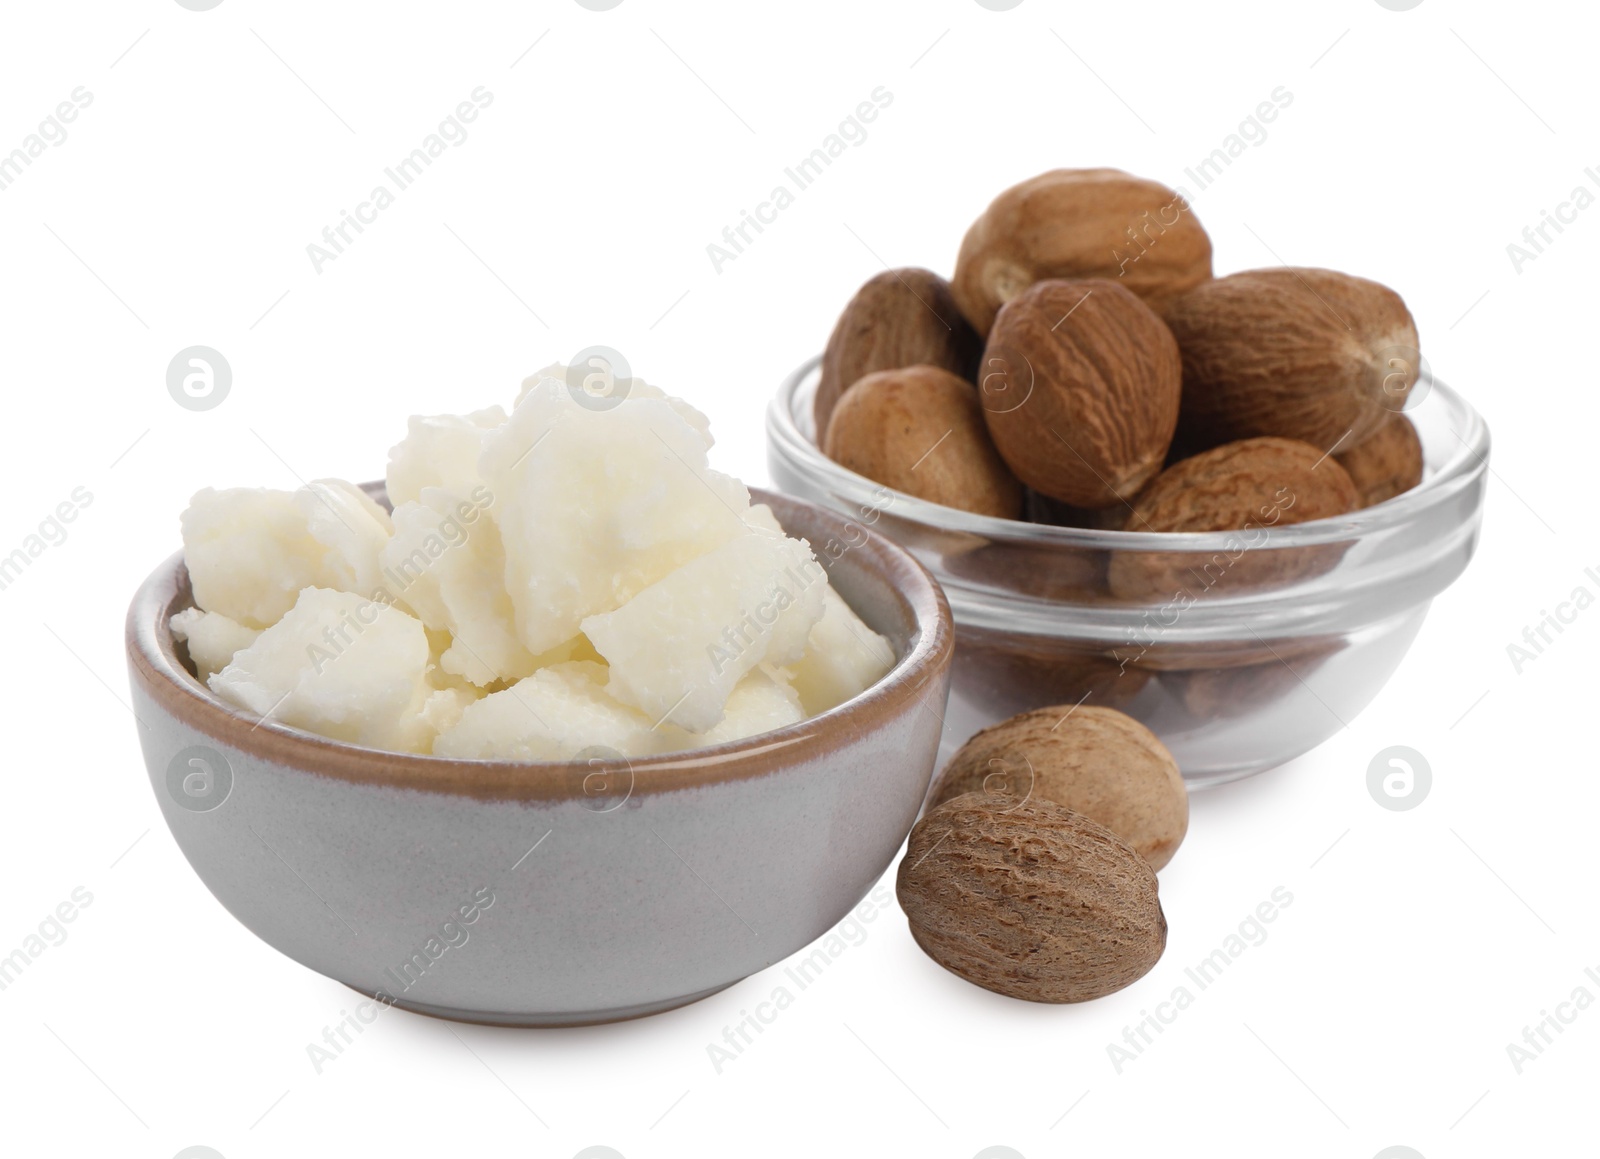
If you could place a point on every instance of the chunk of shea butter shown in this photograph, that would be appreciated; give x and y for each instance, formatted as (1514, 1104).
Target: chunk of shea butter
(553, 715)
(598, 383)
(439, 451)
(445, 562)
(443, 708)
(760, 702)
(677, 649)
(251, 550)
(843, 657)
(212, 638)
(340, 665)
(351, 529)
(760, 515)
(595, 505)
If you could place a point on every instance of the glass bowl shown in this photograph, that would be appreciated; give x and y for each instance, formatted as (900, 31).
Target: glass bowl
(1240, 649)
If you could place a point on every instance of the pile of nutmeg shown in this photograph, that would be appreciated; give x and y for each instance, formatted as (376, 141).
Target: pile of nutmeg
(1033, 874)
(1084, 368)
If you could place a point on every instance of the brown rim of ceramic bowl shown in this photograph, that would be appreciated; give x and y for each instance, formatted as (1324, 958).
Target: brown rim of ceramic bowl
(154, 665)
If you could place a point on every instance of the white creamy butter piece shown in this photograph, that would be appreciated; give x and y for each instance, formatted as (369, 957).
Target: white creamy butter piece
(552, 715)
(438, 644)
(594, 506)
(443, 708)
(577, 648)
(248, 553)
(352, 531)
(760, 702)
(579, 557)
(677, 649)
(439, 451)
(445, 562)
(212, 638)
(843, 658)
(628, 387)
(339, 665)
(760, 515)
(251, 550)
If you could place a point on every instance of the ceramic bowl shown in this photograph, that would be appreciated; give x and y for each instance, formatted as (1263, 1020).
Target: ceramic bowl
(552, 894)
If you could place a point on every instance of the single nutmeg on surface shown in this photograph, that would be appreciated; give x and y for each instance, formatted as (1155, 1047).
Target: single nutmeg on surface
(1080, 383)
(1249, 487)
(1080, 223)
(920, 430)
(1095, 761)
(1029, 899)
(898, 318)
(1302, 354)
(1386, 464)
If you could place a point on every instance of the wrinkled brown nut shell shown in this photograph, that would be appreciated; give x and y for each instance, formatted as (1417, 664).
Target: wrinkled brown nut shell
(1387, 464)
(1080, 383)
(898, 318)
(1247, 486)
(1030, 900)
(920, 430)
(1093, 760)
(1295, 353)
(1080, 223)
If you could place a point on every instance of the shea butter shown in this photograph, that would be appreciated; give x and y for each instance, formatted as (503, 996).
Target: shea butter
(558, 579)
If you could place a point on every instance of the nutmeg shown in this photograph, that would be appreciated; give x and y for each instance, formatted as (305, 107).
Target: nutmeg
(1292, 353)
(920, 430)
(1080, 223)
(1093, 760)
(1387, 464)
(898, 318)
(1080, 383)
(1029, 899)
(1247, 487)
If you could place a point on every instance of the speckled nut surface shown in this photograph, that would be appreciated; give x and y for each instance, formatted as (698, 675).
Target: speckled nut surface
(1297, 353)
(920, 430)
(1248, 487)
(1095, 761)
(897, 318)
(1080, 383)
(1080, 223)
(1265, 481)
(1387, 464)
(1030, 900)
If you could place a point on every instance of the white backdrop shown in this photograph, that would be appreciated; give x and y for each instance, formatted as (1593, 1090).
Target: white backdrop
(208, 149)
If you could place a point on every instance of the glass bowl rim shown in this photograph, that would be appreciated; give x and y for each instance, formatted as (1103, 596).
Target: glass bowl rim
(1463, 466)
